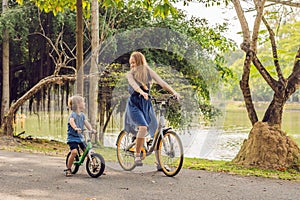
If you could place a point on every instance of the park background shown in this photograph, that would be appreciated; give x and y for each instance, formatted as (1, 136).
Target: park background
(220, 139)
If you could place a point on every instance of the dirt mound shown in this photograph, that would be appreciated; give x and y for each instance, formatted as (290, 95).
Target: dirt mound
(268, 147)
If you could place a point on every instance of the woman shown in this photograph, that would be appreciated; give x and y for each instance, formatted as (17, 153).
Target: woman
(140, 115)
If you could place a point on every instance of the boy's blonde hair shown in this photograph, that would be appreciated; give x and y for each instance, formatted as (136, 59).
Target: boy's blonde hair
(74, 101)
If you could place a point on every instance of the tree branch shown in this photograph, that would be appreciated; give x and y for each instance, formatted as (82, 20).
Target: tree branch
(259, 6)
(293, 81)
(274, 50)
(297, 62)
(244, 84)
(62, 59)
(244, 25)
(286, 3)
(7, 120)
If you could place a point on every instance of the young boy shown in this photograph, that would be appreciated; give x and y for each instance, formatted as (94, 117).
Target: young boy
(76, 123)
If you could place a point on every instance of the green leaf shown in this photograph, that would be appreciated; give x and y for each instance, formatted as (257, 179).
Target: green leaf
(157, 11)
(20, 2)
(166, 9)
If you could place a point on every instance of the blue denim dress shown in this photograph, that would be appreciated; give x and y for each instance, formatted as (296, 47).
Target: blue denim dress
(139, 112)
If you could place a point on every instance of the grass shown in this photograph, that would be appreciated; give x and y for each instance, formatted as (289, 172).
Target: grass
(56, 148)
(33, 145)
(231, 168)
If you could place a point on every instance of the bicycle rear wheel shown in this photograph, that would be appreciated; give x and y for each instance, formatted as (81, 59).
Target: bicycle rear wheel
(170, 155)
(75, 167)
(96, 166)
(125, 151)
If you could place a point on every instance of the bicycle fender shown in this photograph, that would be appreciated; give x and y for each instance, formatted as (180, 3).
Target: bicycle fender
(119, 136)
(166, 130)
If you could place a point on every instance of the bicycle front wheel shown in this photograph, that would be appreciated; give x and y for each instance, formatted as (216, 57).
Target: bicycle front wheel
(125, 151)
(170, 153)
(95, 166)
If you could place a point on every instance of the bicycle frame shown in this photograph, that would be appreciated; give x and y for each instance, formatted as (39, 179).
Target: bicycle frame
(161, 125)
(95, 163)
(166, 144)
(88, 151)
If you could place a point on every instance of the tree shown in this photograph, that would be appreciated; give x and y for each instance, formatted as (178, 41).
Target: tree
(61, 63)
(267, 145)
(162, 10)
(195, 33)
(5, 67)
(186, 37)
(93, 90)
(60, 6)
(56, 6)
(82, 6)
(79, 47)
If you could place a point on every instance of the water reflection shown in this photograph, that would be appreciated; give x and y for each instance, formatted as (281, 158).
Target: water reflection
(216, 143)
(209, 143)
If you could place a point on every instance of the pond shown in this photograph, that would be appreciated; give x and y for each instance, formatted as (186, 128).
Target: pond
(221, 142)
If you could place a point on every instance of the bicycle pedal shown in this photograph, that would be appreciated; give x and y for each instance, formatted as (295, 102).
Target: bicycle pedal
(133, 139)
(149, 143)
(132, 149)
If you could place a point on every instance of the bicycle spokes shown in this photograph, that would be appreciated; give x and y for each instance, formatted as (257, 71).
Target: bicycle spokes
(125, 151)
(96, 165)
(170, 153)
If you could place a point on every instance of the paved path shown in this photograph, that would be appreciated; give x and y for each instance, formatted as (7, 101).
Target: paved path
(40, 177)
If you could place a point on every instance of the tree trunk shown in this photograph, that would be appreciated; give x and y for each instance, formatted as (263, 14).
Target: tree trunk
(7, 123)
(273, 114)
(79, 47)
(102, 106)
(244, 84)
(93, 89)
(5, 69)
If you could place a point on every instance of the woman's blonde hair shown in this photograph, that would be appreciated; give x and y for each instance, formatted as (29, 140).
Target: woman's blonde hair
(140, 73)
(74, 101)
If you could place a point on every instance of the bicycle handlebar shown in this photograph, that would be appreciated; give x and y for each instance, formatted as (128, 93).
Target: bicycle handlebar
(162, 101)
(86, 134)
(89, 131)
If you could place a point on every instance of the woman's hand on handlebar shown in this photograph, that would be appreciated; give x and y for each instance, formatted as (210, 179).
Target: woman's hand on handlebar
(145, 95)
(177, 96)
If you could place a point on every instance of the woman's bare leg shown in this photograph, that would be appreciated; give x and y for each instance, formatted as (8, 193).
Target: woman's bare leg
(140, 138)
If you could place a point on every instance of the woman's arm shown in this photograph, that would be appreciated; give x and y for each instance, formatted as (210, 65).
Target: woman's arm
(162, 83)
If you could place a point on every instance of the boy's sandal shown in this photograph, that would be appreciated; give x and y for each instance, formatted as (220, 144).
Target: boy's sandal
(68, 172)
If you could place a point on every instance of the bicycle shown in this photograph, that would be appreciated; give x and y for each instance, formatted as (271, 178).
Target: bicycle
(166, 144)
(95, 163)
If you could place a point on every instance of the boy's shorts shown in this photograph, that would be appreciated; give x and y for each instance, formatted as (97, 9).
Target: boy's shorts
(74, 145)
